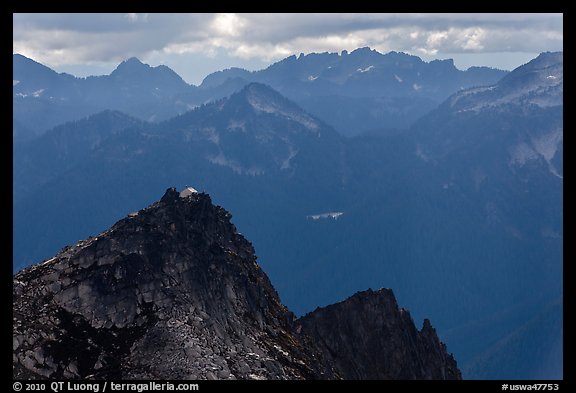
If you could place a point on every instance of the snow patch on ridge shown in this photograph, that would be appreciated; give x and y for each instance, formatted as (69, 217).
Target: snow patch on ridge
(236, 167)
(332, 215)
(365, 69)
(543, 146)
(265, 106)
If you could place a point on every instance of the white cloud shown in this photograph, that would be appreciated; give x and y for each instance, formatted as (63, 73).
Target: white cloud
(133, 18)
(472, 39)
(436, 38)
(228, 24)
(59, 39)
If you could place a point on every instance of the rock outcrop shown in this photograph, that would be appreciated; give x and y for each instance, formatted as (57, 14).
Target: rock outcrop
(368, 336)
(174, 292)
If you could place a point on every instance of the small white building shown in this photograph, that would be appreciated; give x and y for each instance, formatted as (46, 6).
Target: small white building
(187, 192)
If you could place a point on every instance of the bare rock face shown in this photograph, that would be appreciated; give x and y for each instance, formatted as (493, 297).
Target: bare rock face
(368, 336)
(174, 292)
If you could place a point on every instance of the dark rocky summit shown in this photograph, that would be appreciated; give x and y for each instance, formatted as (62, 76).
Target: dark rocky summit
(368, 336)
(174, 292)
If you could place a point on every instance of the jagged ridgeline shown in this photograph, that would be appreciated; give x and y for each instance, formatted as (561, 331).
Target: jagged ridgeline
(173, 291)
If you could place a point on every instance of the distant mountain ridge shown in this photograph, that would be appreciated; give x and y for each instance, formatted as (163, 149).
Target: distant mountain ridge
(377, 88)
(363, 89)
(43, 98)
(363, 73)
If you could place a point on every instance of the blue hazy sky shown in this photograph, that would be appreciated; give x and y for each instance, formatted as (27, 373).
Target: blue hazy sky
(195, 45)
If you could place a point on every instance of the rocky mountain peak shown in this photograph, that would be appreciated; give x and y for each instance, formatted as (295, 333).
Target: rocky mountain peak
(219, 77)
(173, 291)
(349, 327)
(544, 60)
(264, 99)
(132, 64)
(161, 77)
(539, 82)
(22, 65)
(261, 91)
(32, 79)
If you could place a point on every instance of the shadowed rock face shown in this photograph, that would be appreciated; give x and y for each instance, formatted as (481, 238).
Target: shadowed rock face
(368, 336)
(174, 292)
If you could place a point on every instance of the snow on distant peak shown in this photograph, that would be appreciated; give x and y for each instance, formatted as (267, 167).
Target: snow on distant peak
(365, 69)
(544, 146)
(398, 78)
(420, 154)
(234, 165)
(15, 82)
(269, 106)
(34, 94)
(291, 154)
(332, 215)
(522, 153)
(416, 86)
(312, 78)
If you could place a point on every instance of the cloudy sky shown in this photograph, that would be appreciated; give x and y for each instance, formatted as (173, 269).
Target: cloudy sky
(196, 44)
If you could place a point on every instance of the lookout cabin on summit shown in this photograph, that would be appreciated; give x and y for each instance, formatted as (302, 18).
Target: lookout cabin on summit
(187, 191)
